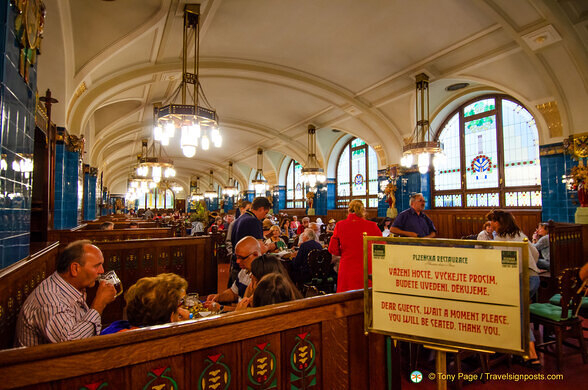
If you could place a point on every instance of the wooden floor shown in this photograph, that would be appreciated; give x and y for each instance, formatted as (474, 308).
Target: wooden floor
(575, 373)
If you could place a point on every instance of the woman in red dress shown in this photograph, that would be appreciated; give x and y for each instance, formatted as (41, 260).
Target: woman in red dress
(347, 242)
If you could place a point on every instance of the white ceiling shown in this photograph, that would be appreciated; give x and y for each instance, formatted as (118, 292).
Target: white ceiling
(270, 68)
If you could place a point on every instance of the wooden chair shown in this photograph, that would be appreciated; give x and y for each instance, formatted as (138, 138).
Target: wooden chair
(562, 319)
(323, 276)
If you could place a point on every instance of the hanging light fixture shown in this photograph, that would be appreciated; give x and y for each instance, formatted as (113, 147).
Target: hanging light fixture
(259, 181)
(196, 124)
(210, 193)
(312, 173)
(421, 145)
(197, 194)
(153, 167)
(231, 188)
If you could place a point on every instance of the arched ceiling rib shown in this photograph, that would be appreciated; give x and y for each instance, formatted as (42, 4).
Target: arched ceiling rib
(271, 68)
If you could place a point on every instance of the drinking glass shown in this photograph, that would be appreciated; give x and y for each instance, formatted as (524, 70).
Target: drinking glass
(112, 278)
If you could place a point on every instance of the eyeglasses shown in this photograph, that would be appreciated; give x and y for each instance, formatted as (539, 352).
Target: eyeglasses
(243, 257)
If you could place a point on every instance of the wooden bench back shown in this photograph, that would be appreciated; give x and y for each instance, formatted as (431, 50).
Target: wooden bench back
(310, 343)
(67, 236)
(120, 225)
(190, 257)
(16, 283)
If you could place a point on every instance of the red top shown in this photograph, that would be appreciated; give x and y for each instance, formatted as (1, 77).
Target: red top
(347, 242)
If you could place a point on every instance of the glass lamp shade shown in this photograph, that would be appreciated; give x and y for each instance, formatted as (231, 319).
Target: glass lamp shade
(169, 130)
(423, 162)
(189, 151)
(260, 187)
(157, 133)
(152, 185)
(170, 172)
(205, 142)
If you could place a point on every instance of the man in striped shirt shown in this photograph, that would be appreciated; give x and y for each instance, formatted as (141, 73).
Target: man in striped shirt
(57, 310)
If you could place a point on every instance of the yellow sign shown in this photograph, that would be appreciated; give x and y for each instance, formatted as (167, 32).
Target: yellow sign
(442, 293)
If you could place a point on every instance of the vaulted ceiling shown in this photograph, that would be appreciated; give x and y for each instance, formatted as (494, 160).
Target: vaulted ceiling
(270, 68)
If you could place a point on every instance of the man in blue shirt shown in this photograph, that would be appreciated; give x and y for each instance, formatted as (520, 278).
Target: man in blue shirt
(249, 224)
(413, 222)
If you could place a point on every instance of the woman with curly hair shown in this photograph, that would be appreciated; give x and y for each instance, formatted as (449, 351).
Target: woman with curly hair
(153, 301)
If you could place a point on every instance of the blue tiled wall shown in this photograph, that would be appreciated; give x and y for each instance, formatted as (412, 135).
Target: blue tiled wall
(250, 195)
(331, 194)
(407, 184)
(66, 188)
(320, 199)
(17, 124)
(229, 203)
(559, 204)
(104, 210)
(279, 201)
(382, 205)
(89, 196)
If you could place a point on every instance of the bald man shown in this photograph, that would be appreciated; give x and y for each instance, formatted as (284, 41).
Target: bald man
(246, 250)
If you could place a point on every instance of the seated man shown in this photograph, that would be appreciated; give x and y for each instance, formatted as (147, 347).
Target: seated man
(246, 250)
(107, 226)
(153, 301)
(305, 225)
(57, 310)
(541, 243)
(300, 267)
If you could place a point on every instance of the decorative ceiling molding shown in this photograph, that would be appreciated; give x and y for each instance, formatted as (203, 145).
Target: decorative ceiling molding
(552, 117)
(541, 38)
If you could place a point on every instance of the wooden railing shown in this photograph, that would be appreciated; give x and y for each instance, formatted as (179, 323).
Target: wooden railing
(67, 236)
(310, 343)
(16, 283)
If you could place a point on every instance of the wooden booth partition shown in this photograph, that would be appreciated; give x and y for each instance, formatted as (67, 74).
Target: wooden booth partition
(457, 223)
(190, 257)
(16, 283)
(313, 343)
(67, 236)
(125, 224)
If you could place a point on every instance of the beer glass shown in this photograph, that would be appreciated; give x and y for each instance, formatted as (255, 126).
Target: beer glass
(112, 278)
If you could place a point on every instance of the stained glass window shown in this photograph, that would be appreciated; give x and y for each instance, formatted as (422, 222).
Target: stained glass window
(357, 174)
(490, 143)
(295, 190)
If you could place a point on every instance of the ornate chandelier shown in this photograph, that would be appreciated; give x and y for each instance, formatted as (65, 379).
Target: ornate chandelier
(210, 193)
(198, 125)
(197, 195)
(153, 167)
(231, 188)
(421, 143)
(312, 173)
(259, 182)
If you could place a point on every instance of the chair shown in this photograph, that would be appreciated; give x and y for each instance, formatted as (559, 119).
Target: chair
(562, 319)
(323, 276)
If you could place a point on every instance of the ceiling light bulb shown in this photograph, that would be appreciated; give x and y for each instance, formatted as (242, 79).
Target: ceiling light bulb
(157, 133)
(15, 166)
(424, 160)
(189, 151)
(205, 142)
(170, 129)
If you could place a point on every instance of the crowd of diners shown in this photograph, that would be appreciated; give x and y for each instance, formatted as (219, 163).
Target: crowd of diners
(57, 309)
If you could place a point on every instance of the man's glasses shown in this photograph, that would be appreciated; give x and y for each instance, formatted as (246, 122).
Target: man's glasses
(243, 257)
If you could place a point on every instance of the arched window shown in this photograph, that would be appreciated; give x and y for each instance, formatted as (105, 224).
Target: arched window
(295, 189)
(357, 174)
(492, 149)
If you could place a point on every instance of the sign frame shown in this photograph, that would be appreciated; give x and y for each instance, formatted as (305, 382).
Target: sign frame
(448, 345)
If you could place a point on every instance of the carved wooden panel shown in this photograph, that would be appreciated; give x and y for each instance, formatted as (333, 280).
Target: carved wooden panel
(106, 380)
(302, 357)
(262, 361)
(217, 368)
(161, 374)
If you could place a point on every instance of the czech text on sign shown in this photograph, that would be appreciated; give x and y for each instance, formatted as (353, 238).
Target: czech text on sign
(460, 295)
